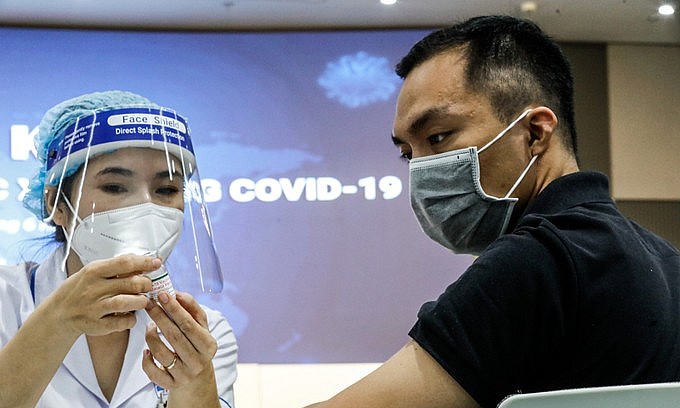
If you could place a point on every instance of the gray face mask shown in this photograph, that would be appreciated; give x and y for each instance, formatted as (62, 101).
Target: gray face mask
(450, 204)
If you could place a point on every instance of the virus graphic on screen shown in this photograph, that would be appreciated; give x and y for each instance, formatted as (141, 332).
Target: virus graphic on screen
(359, 80)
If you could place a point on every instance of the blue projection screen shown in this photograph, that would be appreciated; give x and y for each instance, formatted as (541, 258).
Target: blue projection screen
(322, 258)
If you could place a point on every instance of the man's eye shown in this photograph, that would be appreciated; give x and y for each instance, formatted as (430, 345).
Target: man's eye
(406, 156)
(438, 138)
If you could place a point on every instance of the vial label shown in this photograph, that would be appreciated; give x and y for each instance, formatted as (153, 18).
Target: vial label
(160, 281)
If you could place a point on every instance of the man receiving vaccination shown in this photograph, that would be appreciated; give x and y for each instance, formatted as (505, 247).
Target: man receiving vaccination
(566, 292)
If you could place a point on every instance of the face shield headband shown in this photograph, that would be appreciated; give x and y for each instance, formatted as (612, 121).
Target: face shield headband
(194, 263)
(113, 129)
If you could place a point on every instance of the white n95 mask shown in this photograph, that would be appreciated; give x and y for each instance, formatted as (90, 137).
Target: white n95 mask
(450, 204)
(140, 229)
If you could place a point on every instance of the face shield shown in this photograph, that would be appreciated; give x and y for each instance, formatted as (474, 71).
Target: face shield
(136, 190)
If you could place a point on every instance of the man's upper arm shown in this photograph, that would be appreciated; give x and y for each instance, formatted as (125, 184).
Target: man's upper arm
(411, 378)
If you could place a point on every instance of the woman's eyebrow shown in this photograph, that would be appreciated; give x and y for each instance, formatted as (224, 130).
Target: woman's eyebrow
(121, 171)
(166, 174)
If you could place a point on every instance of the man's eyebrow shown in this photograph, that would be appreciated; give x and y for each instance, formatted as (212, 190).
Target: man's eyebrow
(427, 116)
(422, 120)
(396, 140)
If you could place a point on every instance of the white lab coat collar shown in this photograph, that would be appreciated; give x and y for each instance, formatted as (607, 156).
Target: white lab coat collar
(49, 276)
(132, 376)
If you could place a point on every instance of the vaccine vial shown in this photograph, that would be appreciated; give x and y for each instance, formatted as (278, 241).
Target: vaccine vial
(160, 281)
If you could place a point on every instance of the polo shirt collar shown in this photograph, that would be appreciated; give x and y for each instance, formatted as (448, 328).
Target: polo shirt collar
(569, 191)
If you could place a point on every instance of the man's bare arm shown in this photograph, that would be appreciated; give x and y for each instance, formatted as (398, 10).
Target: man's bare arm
(409, 379)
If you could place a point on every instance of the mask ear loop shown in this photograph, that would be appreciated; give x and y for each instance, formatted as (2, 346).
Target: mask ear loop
(521, 176)
(531, 162)
(510, 126)
(501, 134)
(70, 207)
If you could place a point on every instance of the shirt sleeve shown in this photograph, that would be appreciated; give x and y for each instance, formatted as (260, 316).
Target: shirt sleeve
(225, 359)
(491, 328)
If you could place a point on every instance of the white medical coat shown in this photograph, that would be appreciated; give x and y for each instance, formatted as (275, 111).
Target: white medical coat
(75, 384)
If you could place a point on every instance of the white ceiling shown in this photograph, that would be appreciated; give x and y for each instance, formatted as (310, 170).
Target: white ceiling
(612, 21)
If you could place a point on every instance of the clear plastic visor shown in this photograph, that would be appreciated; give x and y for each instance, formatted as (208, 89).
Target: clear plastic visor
(130, 175)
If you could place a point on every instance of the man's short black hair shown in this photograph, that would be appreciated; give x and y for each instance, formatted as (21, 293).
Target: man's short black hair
(511, 61)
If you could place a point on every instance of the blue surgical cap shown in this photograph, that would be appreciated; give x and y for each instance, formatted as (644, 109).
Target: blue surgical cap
(56, 120)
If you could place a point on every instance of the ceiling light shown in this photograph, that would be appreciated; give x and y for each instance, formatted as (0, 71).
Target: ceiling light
(666, 10)
(388, 2)
(528, 7)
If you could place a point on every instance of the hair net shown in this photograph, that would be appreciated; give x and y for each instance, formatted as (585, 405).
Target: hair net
(59, 118)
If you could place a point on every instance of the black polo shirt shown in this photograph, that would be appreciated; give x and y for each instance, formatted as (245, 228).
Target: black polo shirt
(575, 296)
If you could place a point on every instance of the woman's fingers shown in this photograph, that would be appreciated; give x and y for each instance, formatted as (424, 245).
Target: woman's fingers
(95, 299)
(190, 340)
(122, 265)
(193, 308)
(179, 325)
(157, 374)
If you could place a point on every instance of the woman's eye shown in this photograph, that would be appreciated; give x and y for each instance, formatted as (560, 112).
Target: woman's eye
(114, 188)
(168, 190)
(170, 187)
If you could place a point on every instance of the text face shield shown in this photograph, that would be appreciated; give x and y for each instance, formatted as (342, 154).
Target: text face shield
(137, 190)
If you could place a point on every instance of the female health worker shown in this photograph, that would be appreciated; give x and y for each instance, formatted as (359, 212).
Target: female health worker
(119, 181)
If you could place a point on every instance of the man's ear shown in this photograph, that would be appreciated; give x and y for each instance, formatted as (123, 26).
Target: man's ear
(542, 125)
(60, 216)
